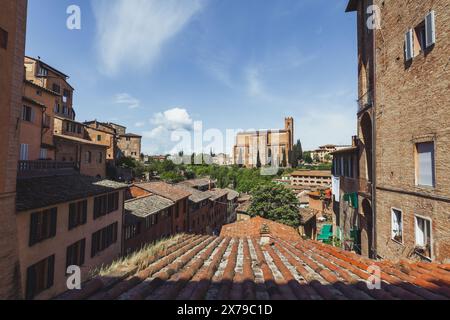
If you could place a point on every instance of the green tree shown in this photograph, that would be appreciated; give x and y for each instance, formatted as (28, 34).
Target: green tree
(307, 157)
(296, 154)
(284, 162)
(258, 160)
(275, 202)
(171, 177)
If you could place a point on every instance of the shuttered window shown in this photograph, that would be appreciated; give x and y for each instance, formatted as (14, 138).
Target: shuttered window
(103, 239)
(42, 225)
(430, 29)
(425, 164)
(24, 152)
(106, 204)
(409, 45)
(40, 277)
(77, 214)
(76, 253)
(3, 38)
(28, 114)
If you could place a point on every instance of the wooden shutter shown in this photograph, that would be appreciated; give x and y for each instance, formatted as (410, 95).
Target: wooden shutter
(72, 216)
(430, 29)
(84, 214)
(82, 251)
(53, 220)
(31, 283)
(50, 271)
(409, 45)
(33, 228)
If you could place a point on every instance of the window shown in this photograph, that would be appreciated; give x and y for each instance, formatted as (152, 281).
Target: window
(132, 231)
(99, 138)
(27, 114)
(103, 239)
(106, 204)
(100, 157)
(420, 38)
(88, 157)
(77, 214)
(423, 236)
(151, 221)
(57, 107)
(75, 254)
(397, 225)
(56, 88)
(42, 225)
(42, 72)
(3, 39)
(40, 277)
(425, 170)
(430, 29)
(128, 138)
(43, 154)
(23, 152)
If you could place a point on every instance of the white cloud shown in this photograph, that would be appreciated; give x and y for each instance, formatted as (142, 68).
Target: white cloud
(140, 124)
(127, 99)
(132, 33)
(160, 138)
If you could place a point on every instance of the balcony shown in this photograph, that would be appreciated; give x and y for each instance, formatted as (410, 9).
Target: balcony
(43, 168)
(365, 101)
(363, 186)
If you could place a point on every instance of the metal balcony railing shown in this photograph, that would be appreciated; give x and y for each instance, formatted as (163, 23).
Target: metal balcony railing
(365, 101)
(39, 168)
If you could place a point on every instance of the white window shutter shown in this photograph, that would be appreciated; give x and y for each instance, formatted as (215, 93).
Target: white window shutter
(430, 29)
(409, 45)
(33, 114)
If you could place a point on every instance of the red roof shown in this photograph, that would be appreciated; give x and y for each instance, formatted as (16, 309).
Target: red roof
(253, 227)
(244, 267)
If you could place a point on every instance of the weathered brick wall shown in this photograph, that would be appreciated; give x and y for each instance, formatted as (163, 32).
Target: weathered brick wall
(412, 106)
(13, 21)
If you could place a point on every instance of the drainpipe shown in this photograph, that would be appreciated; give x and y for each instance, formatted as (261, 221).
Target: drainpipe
(374, 146)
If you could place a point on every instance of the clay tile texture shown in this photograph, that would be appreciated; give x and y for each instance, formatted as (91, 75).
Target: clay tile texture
(165, 190)
(252, 228)
(234, 267)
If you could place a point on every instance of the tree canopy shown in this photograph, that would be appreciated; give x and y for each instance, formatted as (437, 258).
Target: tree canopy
(276, 203)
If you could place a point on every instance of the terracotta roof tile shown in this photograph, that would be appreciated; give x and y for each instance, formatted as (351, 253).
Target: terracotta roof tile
(245, 268)
(165, 190)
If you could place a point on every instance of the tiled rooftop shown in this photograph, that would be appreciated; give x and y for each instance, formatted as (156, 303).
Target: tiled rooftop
(145, 206)
(42, 192)
(239, 268)
(165, 190)
(196, 195)
(252, 228)
(217, 194)
(231, 194)
(200, 182)
(311, 173)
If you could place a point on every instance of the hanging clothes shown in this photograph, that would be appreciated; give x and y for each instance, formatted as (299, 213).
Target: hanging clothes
(335, 187)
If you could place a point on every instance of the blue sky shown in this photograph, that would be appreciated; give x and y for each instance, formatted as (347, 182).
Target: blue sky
(159, 65)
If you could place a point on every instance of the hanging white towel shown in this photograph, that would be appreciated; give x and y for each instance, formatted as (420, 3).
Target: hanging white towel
(335, 187)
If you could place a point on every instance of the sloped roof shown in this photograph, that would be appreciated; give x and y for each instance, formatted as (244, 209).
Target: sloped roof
(217, 193)
(43, 192)
(236, 268)
(253, 227)
(196, 195)
(312, 173)
(232, 194)
(165, 190)
(146, 206)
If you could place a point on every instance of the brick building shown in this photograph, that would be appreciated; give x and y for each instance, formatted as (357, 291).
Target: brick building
(272, 146)
(146, 220)
(13, 16)
(403, 117)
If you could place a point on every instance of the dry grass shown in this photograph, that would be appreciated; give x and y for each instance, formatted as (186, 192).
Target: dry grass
(139, 260)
